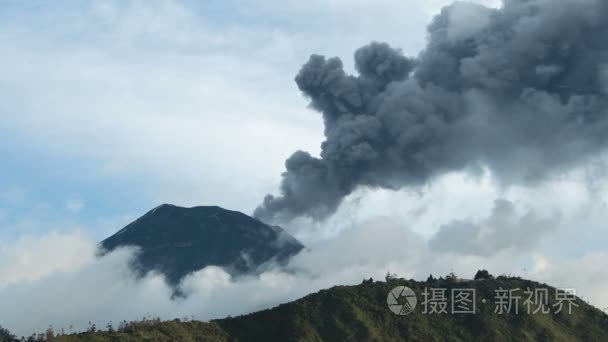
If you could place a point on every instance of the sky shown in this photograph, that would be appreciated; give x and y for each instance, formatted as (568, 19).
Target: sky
(110, 108)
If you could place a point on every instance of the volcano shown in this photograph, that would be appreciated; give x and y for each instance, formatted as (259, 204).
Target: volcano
(177, 241)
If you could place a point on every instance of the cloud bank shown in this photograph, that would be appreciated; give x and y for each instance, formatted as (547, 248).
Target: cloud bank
(504, 229)
(63, 284)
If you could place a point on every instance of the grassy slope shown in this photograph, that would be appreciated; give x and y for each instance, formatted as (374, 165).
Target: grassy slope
(359, 313)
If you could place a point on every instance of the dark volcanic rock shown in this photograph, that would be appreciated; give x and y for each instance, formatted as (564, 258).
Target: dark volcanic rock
(177, 241)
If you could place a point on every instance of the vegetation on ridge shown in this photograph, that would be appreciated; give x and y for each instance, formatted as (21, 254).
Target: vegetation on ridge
(360, 313)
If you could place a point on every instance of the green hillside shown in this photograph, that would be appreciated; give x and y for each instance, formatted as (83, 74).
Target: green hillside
(360, 313)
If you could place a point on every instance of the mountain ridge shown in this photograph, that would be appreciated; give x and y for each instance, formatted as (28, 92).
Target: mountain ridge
(360, 313)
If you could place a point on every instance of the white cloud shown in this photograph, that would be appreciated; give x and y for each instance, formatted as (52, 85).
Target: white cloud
(75, 204)
(31, 258)
(179, 98)
(63, 285)
(503, 229)
(587, 275)
(157, 96)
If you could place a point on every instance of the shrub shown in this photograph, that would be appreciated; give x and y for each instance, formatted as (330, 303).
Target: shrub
(483, 274)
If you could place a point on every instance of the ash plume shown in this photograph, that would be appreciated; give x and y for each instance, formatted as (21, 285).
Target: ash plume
(521, 90)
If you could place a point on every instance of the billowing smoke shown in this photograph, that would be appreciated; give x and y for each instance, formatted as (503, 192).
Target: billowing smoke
(521, 90)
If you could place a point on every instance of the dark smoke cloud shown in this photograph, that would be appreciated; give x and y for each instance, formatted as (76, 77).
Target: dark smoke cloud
(521, 90)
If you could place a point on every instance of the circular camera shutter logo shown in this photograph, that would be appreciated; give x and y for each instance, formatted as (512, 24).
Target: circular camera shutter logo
(401, 300)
